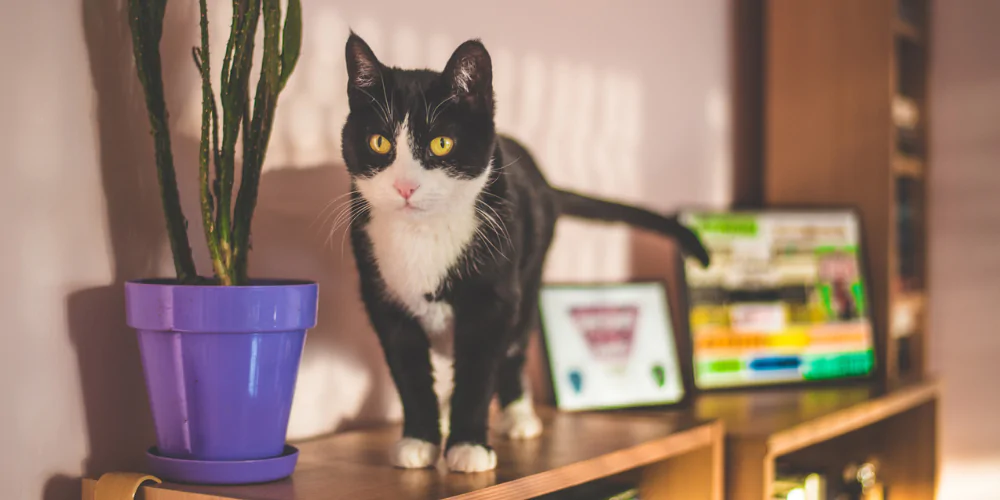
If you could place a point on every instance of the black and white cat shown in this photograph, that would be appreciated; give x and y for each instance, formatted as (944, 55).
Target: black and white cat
(451, 225)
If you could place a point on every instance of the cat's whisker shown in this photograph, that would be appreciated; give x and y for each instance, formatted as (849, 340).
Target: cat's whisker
(427, 108)
(344, 220)
(499, 228)
(386, 99)
(499, 170)
(327, 209)
(447, 100)
(486, 238)
(361, 211)
(380, 108)
(344, 207)
(498, 223)
(489, 246)
(345, 215)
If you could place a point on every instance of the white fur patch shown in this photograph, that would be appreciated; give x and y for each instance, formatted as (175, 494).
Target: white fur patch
(415, 243)
(442, 363)
(410, 453)
(519, 420)
(470, 458)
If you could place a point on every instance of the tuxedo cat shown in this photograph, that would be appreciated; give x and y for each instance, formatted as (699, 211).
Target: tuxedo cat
(451, 225)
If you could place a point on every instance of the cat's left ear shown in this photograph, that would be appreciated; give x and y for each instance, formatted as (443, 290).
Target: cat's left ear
(470, 73)
(363, 68)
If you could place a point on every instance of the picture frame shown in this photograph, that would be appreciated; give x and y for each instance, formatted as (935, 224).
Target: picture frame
(874, 336)
(612, 346)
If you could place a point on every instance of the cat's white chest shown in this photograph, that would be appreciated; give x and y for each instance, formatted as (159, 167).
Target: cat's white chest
(414, 256)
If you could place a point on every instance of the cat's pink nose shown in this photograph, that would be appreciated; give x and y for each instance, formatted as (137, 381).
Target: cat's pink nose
(405, 188)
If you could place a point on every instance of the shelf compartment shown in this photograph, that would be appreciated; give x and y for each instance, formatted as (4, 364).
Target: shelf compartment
(762, 426)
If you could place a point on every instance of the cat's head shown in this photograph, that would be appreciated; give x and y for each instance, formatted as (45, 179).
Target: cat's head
(419, 142)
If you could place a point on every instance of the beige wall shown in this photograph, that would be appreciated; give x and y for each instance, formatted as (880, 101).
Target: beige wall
(81, 213)
(965, 241)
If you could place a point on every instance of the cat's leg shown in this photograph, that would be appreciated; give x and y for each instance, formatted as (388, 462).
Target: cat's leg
(484, 321)
(407, 352)
(518, 419)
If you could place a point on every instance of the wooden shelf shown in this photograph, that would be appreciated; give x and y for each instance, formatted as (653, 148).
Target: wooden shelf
(574, 449)
(763, 426)
(907, 166)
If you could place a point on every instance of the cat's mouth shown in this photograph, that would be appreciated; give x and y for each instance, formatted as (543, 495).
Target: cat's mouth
(411, 208)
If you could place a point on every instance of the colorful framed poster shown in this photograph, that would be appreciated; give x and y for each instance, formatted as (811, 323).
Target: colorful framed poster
(784, 301)
(610, 346)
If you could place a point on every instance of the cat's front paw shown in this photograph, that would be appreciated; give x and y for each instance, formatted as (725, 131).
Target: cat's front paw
(468, 457)
(412, 453)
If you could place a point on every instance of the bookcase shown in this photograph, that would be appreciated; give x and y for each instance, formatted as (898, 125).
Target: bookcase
(844, 118)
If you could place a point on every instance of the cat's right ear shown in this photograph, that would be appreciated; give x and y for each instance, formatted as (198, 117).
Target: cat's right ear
(363, 68)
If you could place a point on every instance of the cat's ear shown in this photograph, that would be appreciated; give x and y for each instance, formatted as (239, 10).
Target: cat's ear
(470, 73)
(363, 68)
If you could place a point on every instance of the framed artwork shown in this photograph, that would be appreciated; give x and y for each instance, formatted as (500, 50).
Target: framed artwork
(610, 346)
(784, 301)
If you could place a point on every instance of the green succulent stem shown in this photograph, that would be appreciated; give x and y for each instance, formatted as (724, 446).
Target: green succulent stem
(281, 52)
(207, 152)
(146, 23)
(227, 225)
(246, 16)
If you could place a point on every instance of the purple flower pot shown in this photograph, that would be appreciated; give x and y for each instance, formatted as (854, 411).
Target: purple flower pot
(220, 363)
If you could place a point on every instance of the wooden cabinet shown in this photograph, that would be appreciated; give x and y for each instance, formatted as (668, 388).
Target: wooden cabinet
(823, 430)
(845, 124)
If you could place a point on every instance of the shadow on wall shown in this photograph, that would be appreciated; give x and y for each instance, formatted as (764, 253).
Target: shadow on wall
(118, 421)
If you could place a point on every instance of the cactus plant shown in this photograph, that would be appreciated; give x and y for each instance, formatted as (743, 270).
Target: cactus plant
(227, 224)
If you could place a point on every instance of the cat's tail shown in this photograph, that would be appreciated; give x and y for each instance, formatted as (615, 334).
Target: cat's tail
(586, 207)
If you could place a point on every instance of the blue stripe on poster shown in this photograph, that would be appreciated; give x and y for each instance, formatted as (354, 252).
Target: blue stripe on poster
(776, 363)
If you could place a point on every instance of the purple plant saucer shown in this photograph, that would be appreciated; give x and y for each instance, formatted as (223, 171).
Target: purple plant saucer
(223, 471)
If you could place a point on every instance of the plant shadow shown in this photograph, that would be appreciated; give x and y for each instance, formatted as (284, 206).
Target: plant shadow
(118, 421)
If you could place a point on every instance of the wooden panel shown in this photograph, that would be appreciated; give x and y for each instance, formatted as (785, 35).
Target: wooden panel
(747, 65)
(696, 475)
(827, 119)
(903, 445)
(911, 453)
(574, 449)
(764, 425)
(749, 470)
(791, 419)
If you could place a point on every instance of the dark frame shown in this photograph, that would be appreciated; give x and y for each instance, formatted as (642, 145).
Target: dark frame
(865, 270)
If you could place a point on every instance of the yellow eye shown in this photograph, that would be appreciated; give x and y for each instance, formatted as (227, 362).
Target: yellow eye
(441, 146)
(379, 144)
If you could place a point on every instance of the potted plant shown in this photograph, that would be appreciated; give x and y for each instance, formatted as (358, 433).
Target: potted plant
(220, 354)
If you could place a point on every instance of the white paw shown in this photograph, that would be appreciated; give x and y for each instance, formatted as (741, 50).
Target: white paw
(519, 420)
(411, 453)
(467, 457)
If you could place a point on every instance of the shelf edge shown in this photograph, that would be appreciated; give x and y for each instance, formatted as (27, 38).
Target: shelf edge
(844, 421)
(603, 466)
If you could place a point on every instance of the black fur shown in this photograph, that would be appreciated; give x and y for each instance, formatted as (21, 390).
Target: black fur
(494, 286)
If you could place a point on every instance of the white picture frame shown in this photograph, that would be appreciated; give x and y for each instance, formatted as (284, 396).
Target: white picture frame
(610, 346)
